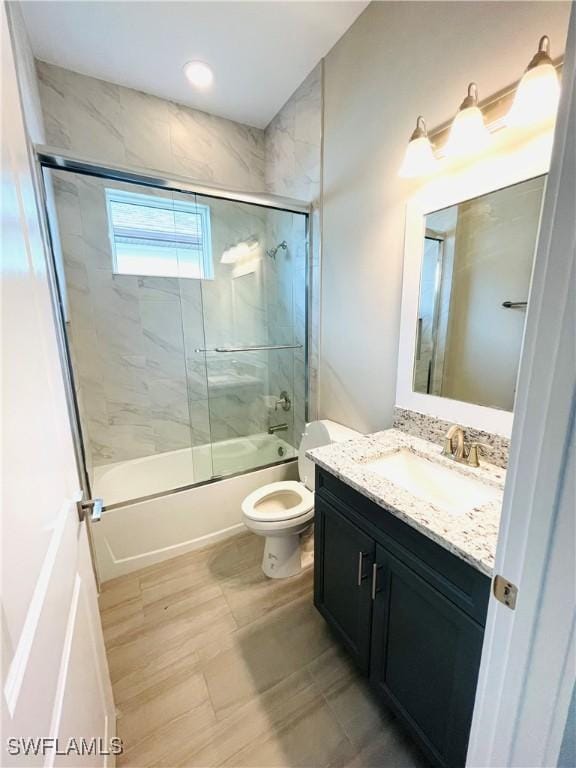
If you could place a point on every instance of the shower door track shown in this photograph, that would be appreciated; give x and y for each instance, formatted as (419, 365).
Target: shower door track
(58, 159)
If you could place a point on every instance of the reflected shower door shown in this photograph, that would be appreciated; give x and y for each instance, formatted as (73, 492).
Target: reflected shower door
(254, 328)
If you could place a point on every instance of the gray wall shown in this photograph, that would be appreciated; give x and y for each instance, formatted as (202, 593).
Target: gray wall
(397, 61)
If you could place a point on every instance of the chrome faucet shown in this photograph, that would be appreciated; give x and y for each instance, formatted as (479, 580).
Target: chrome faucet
(456, 447)
(277, 428)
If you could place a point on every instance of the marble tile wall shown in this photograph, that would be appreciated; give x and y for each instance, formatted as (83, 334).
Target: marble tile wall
(293, 153)
(160, 400)
(113, 124)
(143, 389)
(234, 314)
(285, 277)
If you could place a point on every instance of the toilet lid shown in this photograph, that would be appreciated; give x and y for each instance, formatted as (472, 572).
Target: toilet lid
(274, 502)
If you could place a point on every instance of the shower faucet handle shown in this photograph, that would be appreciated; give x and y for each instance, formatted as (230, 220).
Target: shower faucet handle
(284, 401)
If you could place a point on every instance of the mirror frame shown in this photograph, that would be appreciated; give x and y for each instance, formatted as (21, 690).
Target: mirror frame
(509, 165)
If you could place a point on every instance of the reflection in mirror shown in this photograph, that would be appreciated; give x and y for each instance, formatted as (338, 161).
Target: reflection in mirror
(475, 277)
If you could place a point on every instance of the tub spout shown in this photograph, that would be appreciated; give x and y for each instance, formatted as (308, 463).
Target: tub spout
(277, 428)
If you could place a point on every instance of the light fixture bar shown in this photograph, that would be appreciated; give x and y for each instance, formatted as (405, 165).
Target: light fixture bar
(495, 108)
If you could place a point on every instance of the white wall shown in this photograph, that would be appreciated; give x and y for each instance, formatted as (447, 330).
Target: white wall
(26, 74)
(398, 60)
(55, 679)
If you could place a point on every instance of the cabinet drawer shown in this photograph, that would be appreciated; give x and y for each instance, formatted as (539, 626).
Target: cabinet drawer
(460, 582)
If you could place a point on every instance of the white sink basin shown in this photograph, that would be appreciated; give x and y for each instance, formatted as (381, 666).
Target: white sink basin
(434, 483)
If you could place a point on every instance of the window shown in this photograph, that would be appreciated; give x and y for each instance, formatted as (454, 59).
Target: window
(159, 237)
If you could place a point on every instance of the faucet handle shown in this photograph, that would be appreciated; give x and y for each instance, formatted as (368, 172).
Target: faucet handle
(447, 448)
(475, 449)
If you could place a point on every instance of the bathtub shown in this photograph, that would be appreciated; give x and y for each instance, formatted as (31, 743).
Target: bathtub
(147, 518)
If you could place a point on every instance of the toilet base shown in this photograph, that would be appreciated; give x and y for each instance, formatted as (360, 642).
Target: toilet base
(281, 556)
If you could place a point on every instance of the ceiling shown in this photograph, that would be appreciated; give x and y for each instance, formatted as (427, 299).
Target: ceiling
(259, 52)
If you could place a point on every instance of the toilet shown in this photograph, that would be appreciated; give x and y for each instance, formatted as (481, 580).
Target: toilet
(282, 511)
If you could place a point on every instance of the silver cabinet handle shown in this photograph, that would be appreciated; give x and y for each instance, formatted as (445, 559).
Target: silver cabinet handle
(375, 569)
(361, 556)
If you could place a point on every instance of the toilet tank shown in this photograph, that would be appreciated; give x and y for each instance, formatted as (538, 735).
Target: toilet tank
(316, 435)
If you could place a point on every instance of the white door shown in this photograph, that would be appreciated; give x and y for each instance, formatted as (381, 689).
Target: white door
(528, 668)
(55, 681)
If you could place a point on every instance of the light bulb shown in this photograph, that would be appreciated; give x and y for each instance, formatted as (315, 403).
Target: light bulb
(538, 93)
(199, 74)
(419, 159)
(468, 133)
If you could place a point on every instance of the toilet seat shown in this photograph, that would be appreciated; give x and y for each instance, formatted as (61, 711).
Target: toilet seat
(275, 502)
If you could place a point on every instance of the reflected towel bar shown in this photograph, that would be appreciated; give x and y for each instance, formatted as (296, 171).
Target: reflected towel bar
(514, 304)
(251, 349)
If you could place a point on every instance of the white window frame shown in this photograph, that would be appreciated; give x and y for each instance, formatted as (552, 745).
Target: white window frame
(166, 203)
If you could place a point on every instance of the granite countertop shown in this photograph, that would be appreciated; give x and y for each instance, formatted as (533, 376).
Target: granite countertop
(471, 535)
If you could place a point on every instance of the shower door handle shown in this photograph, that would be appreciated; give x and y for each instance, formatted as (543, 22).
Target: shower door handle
(255, 348)
(93, 506)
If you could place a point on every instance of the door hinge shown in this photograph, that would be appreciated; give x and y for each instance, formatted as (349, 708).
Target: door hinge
(93, 506)
(505, 591)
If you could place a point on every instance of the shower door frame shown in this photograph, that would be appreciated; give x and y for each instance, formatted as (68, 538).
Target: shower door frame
(50, 158)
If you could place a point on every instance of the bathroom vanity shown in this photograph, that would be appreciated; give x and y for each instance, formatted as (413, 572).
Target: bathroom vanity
(403, 583)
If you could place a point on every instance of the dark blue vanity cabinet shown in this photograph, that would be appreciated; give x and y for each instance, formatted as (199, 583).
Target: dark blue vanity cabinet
(410, 613)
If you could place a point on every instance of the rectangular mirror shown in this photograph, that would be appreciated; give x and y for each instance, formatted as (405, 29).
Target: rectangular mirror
(474, 283)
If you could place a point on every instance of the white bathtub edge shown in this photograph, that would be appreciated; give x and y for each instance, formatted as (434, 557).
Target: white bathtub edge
(133, 537)
(137, 562)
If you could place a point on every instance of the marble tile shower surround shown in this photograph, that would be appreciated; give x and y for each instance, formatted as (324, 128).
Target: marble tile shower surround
(292, 143)
(429, 428)
(285, 277)
(293, 152)
(118, 125)
(142, 387)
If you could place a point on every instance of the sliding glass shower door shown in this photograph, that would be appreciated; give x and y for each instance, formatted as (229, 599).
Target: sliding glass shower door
(185, 320)
(254, 327)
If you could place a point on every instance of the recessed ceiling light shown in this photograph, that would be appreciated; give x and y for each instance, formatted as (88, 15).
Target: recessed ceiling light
(199, 74)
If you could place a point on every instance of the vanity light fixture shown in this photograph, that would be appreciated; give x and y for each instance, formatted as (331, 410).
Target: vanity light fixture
(468, 133)
(538, 93)
(419, 158)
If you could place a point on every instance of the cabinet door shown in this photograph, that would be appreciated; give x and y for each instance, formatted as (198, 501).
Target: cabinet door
(425, 659)
(343, 558)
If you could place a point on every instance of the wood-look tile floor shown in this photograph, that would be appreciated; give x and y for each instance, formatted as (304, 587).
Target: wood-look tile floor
(214, 664)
